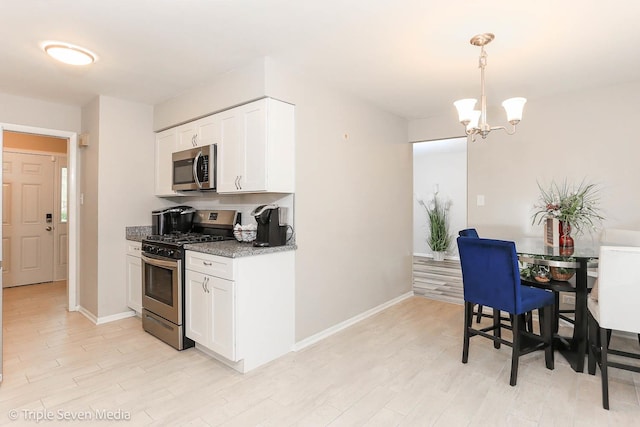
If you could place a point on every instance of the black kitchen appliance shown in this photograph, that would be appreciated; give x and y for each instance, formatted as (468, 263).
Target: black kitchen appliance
(270, 232)
(181, 218)
(163, 277)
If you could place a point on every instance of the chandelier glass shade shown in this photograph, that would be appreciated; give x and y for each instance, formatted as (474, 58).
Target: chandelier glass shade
(474, 120)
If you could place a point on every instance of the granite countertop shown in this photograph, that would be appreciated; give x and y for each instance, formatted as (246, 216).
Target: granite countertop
(235, 249)
(137, 233)
(227, 248)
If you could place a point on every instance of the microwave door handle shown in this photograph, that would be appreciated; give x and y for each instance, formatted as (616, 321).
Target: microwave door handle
(195, 169)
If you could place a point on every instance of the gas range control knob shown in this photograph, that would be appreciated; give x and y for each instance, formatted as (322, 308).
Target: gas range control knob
(170, 252)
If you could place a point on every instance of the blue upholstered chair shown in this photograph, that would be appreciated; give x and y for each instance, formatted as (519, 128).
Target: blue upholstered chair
(491, 277)
(472, 232)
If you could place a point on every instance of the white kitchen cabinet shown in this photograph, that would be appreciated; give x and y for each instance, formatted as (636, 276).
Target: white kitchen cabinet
(256, 153)
(165, 146)
(240, 310)
(134, 276)
(204, 131)
(210, 313)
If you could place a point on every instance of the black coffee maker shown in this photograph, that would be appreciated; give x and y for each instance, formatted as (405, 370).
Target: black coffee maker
(270, 232)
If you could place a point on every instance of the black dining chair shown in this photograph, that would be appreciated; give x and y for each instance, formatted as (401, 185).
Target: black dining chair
(491, 277)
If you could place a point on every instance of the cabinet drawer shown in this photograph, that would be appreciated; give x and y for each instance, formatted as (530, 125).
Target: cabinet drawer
(134, 248)
(212, 265)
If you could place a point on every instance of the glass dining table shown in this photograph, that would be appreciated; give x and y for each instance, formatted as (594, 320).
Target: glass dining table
(582, 257)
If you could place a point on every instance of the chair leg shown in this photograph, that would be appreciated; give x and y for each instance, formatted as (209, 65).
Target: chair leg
(594, 344)
(468, 320)
(546, 330)
(515, 354)
(497, 332)
(479, 316)
(556, 312)
(603, 368)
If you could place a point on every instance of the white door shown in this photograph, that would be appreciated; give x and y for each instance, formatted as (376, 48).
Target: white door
(61, 219)
(27, 222)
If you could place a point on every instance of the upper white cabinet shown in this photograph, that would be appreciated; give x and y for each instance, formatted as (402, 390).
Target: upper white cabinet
(204, 131)
(165, 146)
(255, 148)
(256, 152)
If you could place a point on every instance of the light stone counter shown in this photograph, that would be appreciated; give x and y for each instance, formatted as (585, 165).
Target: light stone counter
(137, 233)
(235, 249)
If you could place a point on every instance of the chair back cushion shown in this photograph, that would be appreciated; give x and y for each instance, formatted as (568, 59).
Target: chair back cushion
(468, 232)
(619, 288)
(490, 273)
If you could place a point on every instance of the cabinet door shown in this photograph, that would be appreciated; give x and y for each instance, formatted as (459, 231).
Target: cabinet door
(165, 146)
(242, 154)
(229, 152)
(197, 308)
(253, 142)
(187, 136)
(209, 131)
(223, 317)
(134, 283)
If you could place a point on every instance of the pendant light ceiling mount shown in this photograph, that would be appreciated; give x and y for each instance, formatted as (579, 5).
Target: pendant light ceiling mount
(475, 121)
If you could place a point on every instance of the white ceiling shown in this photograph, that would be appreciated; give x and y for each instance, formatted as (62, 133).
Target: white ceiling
(410, 57)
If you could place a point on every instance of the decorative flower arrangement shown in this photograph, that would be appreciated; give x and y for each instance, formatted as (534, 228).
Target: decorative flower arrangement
(571, 204)
(439, 239)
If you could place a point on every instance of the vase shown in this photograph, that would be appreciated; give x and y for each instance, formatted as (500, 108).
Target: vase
(562, 274)
(565, 240)
(438, 256)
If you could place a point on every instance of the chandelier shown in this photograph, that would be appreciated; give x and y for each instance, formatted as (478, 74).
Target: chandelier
(475, 121)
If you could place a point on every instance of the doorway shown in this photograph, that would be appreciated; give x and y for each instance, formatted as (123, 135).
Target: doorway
(439, 166)
(67, 243)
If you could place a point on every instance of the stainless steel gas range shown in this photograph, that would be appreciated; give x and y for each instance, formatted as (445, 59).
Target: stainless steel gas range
(163, 287)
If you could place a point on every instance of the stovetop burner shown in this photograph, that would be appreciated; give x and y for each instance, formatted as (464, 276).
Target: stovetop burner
(183, 238)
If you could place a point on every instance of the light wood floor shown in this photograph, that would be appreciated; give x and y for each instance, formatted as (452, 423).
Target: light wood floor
(399, 367)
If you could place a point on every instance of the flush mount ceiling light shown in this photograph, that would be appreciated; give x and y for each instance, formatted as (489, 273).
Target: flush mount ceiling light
(69, 54)
(475, 121)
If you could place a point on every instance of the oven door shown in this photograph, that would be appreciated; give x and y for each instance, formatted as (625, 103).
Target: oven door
(162, 287)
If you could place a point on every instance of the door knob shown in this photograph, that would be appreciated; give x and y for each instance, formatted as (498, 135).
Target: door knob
(49, 228)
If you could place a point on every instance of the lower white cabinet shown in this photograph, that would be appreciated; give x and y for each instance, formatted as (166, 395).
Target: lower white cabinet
(134, 276)
(210, 313)
(240, 310)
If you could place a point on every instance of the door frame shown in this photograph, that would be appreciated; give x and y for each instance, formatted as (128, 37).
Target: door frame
(72, 194)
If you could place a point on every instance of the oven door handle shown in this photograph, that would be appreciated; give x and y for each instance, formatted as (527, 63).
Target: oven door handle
(159, 262)
(195, 169)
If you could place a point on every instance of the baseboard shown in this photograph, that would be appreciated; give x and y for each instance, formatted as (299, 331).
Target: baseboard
(106, 319)
(349, 322)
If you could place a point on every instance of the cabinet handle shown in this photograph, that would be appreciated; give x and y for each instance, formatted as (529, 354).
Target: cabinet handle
(239, 184)
(194, 140)
(236, 182)
(206, 263)
(206, 285)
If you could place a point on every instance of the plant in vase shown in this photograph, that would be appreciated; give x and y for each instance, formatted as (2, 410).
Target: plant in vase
(575, 206)
(439, 239)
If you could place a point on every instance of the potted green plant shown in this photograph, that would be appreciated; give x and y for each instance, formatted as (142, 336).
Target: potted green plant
(439, 239)
(575, 206)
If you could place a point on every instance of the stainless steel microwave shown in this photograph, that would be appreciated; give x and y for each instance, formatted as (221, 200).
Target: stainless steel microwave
(195, 169)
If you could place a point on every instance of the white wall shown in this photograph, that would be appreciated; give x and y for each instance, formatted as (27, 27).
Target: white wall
(236, 87)
(441, 163)
(352, 201)
(88, 210)
(118, 186)
(18, 110)
(125, 195)
(589, 134)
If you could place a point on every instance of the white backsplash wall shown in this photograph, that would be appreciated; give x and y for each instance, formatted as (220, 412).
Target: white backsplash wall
(243, 203)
